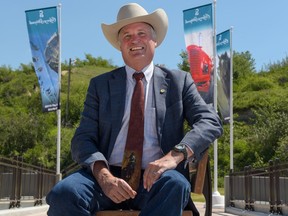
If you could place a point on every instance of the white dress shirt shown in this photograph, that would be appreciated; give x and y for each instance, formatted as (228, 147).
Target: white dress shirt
(151, 146)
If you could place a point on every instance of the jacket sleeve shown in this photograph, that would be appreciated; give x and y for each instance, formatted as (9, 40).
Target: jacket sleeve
(85, 142)
(205, 123)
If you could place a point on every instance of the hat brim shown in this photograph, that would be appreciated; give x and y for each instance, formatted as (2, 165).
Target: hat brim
(158, 20)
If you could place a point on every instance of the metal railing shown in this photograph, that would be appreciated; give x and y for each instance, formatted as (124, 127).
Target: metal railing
(261, 190)
(20, 181)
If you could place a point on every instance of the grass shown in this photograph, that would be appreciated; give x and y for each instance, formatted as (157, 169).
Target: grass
(200, 197)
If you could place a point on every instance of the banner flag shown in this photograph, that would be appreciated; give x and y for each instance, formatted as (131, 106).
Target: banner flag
(223, 57)
(45, 47)
(198, 33)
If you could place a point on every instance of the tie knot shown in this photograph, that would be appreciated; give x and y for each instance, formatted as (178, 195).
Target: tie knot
(138, 76)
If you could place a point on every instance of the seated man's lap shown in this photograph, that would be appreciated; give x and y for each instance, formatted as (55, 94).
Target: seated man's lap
(80, 190)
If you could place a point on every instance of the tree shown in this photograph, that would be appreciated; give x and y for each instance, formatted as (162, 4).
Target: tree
(184, 65)
(243, 65)
(270, 132)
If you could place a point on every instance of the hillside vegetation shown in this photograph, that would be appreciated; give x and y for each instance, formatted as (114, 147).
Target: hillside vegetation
(260, 113)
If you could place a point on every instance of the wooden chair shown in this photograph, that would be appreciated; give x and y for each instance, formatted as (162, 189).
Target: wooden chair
(130, 213)
(200, 179)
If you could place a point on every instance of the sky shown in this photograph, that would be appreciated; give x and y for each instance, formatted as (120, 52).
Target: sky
(258, 26)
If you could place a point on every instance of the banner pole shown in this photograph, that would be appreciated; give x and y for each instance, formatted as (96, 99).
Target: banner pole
(58, 174)
(231, 104)
(217, 198)
(215, 98)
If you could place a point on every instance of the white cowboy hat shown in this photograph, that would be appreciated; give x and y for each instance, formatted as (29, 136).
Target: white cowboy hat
(132, 13)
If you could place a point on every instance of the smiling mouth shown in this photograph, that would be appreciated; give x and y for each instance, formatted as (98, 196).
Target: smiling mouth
(136, 48)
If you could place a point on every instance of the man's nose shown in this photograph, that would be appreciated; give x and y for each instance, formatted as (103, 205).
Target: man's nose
(135, 38)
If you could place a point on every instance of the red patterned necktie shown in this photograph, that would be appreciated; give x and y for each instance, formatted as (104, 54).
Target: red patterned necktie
(131, 164)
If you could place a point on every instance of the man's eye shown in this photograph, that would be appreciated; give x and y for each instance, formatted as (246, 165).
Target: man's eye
(127, 37)
(141, 33)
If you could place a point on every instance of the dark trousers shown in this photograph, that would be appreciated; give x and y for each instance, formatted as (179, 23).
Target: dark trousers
(79, 194)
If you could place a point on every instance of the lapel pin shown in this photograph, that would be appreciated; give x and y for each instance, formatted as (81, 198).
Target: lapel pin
(162, 91)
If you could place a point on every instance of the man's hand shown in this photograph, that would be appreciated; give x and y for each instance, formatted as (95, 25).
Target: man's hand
(155, 169)
(115, 188)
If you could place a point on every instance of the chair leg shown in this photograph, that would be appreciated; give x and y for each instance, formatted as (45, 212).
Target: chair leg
(192, 208)
(207, 190)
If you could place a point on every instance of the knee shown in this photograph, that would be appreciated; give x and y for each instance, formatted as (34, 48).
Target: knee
(177, 181)
(61, 194)
(174, 185)
(178, 185)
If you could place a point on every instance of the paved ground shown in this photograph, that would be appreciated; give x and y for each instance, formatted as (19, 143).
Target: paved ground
(41, 211)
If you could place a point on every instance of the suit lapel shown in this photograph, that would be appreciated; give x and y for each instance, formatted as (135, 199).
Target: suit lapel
(117, 85)
(161, 87)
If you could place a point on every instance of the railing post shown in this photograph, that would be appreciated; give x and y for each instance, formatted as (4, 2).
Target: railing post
(246, 187)
(41, 185)
(20, 185)
(272, 193)
(277, 185)
(39, 188)
(13, 192)
(16, 185)
(249, 203)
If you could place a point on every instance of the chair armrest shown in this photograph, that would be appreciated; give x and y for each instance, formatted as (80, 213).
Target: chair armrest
(201, 182)
(197, 174)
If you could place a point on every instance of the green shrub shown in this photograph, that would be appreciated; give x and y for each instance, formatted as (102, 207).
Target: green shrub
(258, 84)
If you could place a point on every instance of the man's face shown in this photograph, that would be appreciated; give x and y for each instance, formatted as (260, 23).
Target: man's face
(137, 44)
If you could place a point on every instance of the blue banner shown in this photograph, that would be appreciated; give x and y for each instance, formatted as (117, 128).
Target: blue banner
(198, 33)
(223, 49)
(45, 47)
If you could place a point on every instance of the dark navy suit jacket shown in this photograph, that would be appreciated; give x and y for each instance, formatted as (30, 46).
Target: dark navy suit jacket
(176, 99)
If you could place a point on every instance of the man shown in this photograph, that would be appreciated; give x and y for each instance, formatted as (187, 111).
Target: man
(99, 142)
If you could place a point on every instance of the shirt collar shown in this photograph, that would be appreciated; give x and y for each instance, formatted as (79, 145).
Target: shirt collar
(148, 71)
